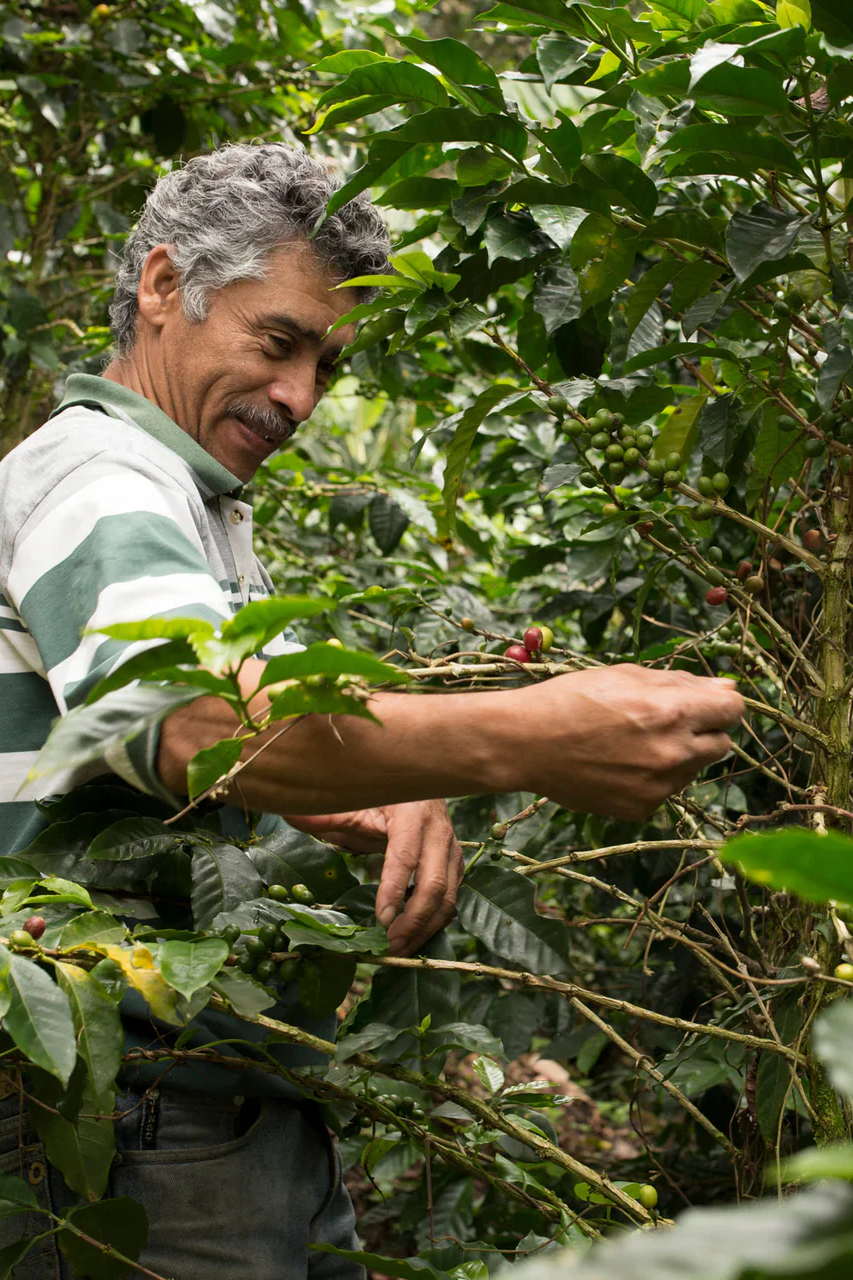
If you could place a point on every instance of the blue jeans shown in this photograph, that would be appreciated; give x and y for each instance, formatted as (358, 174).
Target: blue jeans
(230, 1188)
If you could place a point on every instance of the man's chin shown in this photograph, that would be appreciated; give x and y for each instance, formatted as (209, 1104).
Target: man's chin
(244, 450)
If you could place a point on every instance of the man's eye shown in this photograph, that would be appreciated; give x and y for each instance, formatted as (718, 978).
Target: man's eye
(285, 345)
(325, 371)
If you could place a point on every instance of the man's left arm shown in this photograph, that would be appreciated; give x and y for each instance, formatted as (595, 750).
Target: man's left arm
(418, 840)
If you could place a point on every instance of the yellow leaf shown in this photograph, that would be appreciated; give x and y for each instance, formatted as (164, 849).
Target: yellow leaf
(144, 978)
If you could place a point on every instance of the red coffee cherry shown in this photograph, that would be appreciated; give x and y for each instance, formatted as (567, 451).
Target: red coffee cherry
(533, 639)
(716, 595)
(35, 927)
(518, 652)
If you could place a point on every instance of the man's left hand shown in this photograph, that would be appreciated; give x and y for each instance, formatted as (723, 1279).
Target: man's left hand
(418, 838)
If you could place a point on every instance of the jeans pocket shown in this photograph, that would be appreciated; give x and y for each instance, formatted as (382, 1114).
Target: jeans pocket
(162, 1129)
(28, 1161)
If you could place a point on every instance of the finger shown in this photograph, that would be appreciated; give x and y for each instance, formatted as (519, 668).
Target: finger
(432, 904)
(405, 843)
(712, 747)
(713, 707)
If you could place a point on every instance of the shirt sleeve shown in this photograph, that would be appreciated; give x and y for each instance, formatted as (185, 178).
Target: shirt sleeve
(114, 541)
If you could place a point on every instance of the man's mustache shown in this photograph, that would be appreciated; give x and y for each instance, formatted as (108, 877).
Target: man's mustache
(267, 421)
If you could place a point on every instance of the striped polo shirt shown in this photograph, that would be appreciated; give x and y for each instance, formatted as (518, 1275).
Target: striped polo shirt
(109, 513)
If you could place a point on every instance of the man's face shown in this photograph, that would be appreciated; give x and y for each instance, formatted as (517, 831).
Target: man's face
(241, 382)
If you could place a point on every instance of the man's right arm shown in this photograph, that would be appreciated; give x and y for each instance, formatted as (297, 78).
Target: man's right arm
(613, 741)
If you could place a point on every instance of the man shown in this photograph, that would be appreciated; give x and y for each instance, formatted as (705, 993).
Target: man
(127, 505)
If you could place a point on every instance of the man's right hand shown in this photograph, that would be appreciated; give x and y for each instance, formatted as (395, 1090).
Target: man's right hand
(619, 740)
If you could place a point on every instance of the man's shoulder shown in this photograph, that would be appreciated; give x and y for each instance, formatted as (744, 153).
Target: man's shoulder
(73, 444)
(79, 436)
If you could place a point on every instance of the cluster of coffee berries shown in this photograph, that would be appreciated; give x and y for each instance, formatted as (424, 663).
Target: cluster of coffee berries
(296, 893)
(717, 594)
(406, 1108)
(833, 425)
(535, 641)
(30, 932)
(256, 955)
(710, 487)
(622, 448)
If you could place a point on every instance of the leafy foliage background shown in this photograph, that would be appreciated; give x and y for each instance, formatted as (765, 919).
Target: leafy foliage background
(643, 210)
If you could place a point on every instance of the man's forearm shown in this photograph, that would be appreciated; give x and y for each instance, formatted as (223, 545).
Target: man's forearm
(427, 746)
(615, 740)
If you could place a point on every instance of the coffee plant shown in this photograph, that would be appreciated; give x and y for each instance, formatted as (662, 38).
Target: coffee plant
(607, 396)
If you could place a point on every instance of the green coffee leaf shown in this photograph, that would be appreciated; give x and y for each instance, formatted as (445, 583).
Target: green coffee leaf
(327, 660)
(97, 1025)
(39, 1019)
(817, 1163)
(222, 877)
(188, 966)
(796, 860)
(132, 838)
(86, 733)
(764, 234)
(497, 907)
(210, 764)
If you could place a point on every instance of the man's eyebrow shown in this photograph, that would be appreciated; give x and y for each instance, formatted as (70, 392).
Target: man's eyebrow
(278, 320)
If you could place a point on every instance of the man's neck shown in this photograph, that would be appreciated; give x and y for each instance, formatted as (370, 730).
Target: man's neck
(136, 377)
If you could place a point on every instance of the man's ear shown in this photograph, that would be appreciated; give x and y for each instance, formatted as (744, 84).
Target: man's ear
(158, 295)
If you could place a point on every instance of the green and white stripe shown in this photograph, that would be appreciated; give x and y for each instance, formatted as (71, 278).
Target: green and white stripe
(109, 513)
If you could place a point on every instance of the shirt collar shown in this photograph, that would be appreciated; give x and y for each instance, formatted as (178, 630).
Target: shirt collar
(87, 388)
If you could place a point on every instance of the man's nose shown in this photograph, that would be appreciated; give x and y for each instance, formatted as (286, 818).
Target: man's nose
(296, 393)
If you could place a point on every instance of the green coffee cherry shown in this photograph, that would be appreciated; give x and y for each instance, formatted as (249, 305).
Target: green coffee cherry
(587, 479)
(614, 453)
(265, 971)
(247, 963)
(287, 969)
(648, 492)
(672, 478)
(714, 577)
(616, 471)
(254, 947)
(268, 934)
(600, 440)
(714, 554)
(632, 457)
(705, 485)
(673, 461)
(720, 481)
(573, 428)
(230, 934)
(656, 468)
(813, 448)
(301, 893)
(278, 893)
(558, 406)
(703, 511)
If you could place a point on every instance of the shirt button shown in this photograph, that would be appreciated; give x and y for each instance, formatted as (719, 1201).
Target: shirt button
(241, 579)
(236, 516)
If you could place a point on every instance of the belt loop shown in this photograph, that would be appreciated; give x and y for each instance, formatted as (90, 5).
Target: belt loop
(149, 1121)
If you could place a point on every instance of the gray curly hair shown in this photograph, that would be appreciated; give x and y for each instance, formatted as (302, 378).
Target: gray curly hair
(224, 213)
